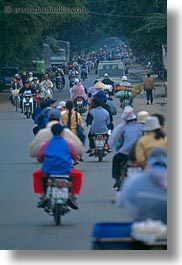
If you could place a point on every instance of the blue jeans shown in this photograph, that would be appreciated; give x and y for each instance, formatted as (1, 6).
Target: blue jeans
(149, 95)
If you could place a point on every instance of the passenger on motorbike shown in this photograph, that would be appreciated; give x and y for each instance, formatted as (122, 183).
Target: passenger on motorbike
(100, 120)
(57, 160)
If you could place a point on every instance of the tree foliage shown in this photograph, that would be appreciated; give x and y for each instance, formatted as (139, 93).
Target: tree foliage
(142, 22)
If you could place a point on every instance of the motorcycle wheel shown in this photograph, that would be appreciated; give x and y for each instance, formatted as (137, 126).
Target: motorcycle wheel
(16, 104)
(57, 214)
(100, 156)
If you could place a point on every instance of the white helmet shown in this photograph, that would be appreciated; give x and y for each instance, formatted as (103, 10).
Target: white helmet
(124, 78)
(106, 75)
(77, 81)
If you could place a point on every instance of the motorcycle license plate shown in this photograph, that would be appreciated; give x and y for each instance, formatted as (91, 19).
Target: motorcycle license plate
(79, 102)
(58, 193)
(27, 104)
(99, 143)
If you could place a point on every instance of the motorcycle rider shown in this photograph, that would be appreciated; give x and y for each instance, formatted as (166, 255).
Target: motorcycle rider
(30, 76)
(144, 194)
(60, 73)
(37, 86)
(84, 71)
(72, 75)
(108, 81)
(45, 134)
(57, 160)
(26, 87)
(99, 124)
(47, 85)
(15, 85)
(42, 119)
(124, 82)
(78, 90)
(127, 137)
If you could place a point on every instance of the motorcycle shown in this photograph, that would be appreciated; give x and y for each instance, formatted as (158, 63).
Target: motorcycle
(27, 103)
(47, 92)
(84, 74)
(79, 105)
(59, 82)
(57, 194)
(100, 142)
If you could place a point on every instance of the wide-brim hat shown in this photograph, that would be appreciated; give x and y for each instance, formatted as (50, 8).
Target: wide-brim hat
(142, 116)
(151, 124)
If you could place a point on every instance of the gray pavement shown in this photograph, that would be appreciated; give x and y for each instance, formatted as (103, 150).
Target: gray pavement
(25, 227)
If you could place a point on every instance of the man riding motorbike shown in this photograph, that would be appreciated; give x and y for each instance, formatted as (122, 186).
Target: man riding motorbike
(57, 160)
(108, 81)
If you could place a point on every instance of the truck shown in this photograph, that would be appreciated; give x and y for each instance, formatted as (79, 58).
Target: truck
(59, 55)
(7, 74)
(37, 67)
(114, 68)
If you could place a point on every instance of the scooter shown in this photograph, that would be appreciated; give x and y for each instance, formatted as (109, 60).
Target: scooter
(57, 193)
(27, 103)
(100, 142)
(59, 82)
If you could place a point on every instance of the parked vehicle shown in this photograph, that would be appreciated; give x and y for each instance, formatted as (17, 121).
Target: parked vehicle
(57, 193)
(6, 76)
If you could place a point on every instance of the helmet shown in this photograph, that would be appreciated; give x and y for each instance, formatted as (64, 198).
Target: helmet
(77, 81)
(17, 76)
(106, 75)
(35, 78)
(124, 78)
(30, 73)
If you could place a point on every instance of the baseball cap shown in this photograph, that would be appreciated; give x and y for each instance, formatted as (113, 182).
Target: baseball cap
(50, 101)
(54, 114)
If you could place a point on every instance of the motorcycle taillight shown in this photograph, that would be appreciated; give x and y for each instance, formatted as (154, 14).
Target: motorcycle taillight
(60, 183)
(100, 137)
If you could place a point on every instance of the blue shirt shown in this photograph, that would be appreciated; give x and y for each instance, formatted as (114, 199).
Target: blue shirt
(57, 159)
(101, 120)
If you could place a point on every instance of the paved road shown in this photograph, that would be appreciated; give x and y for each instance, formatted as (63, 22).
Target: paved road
(22, 225)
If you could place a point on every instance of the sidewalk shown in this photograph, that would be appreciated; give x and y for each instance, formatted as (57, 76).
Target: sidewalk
(160, 102)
